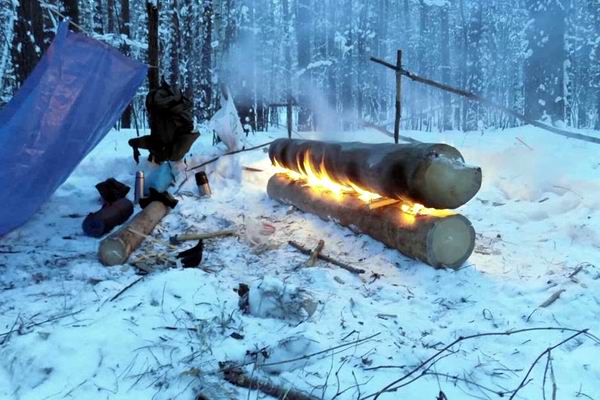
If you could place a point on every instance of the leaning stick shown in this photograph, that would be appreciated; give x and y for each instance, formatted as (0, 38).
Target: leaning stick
(314, 254)
(323, 257)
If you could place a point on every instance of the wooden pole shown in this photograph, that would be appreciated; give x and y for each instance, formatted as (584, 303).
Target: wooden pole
(153, 52)
(476, 97)
(398, 96)
(289, 116)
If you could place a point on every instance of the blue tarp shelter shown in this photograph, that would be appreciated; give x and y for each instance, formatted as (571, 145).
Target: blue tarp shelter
(74, 96)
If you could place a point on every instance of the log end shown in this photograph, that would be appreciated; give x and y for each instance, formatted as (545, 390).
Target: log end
(113, 251)
(449, 184)
(450, 242)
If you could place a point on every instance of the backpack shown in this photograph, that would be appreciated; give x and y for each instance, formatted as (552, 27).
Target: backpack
(171, 125)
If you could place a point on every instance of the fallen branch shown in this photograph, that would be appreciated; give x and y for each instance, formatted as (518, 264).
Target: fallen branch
(398, 383)
(547, 351)
(343, 347)
(323, 257)
(32, 325)
(237, 377)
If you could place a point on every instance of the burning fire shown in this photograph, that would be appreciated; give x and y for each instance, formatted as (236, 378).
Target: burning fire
(319, 179)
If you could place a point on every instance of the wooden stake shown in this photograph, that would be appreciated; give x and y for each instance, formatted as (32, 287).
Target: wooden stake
(312, 259)
(398, 96)
(289, 116)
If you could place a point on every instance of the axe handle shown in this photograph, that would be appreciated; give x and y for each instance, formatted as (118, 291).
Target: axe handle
(199, 236)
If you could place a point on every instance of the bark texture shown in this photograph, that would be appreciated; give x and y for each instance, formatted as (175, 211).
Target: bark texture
(438, 241)
(116, 248)
(431, 174)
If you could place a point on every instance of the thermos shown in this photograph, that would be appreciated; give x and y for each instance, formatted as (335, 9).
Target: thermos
(202, 182)
(103, 221)
(139, 186)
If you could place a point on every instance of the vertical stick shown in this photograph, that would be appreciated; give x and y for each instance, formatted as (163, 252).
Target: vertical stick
(153, 55)
(289, 116)
(398, 96)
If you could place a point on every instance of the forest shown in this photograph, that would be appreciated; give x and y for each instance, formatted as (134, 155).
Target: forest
(538, 57)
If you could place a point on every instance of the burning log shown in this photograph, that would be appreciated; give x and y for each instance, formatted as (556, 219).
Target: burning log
(442, 239)
(434, 175)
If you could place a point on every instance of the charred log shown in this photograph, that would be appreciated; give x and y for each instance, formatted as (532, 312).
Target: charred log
(434, 175)
(440, 241)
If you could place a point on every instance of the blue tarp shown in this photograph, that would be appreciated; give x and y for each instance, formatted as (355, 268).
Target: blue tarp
(74, 96)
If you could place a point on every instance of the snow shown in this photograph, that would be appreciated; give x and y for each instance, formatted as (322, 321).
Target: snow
(536, 218)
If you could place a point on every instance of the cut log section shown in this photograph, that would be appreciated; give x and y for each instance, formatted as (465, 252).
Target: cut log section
(434, 175)
(440, 241)
(116, 248)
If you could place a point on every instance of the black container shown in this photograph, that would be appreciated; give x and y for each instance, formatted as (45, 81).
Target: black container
(101, 222)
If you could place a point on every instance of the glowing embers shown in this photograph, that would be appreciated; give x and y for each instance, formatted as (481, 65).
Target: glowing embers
(318, 179)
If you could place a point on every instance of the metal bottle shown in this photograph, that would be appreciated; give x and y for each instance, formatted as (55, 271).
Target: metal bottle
(139, 186)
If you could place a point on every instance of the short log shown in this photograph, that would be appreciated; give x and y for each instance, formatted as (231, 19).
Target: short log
(434, 175)
(440, 241)
(116, 248)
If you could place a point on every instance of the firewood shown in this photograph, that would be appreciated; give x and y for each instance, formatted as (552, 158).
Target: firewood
(116, 248)
(440, 241)
(434, 175)
(200, 236)
(314, 254)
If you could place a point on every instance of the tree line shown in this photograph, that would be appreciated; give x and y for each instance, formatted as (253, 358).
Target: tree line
(538, 57)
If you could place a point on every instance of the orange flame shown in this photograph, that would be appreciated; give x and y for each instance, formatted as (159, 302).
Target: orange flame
(317, 178)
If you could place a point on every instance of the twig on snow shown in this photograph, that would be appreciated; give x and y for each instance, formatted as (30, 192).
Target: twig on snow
(547, 351)
(116, 296)
(393, 386)
(555, 296)
(330, 260)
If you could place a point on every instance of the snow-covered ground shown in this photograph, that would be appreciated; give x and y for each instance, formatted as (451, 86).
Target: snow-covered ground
(537, 220)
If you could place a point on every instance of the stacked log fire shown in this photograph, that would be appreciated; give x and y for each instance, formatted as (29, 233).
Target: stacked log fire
(399, 194)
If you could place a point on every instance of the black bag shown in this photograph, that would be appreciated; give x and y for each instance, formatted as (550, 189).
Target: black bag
(171, 125)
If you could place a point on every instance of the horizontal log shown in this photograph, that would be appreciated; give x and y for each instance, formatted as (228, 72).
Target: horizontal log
(116, 248)
(434, 175)
(440, 241)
